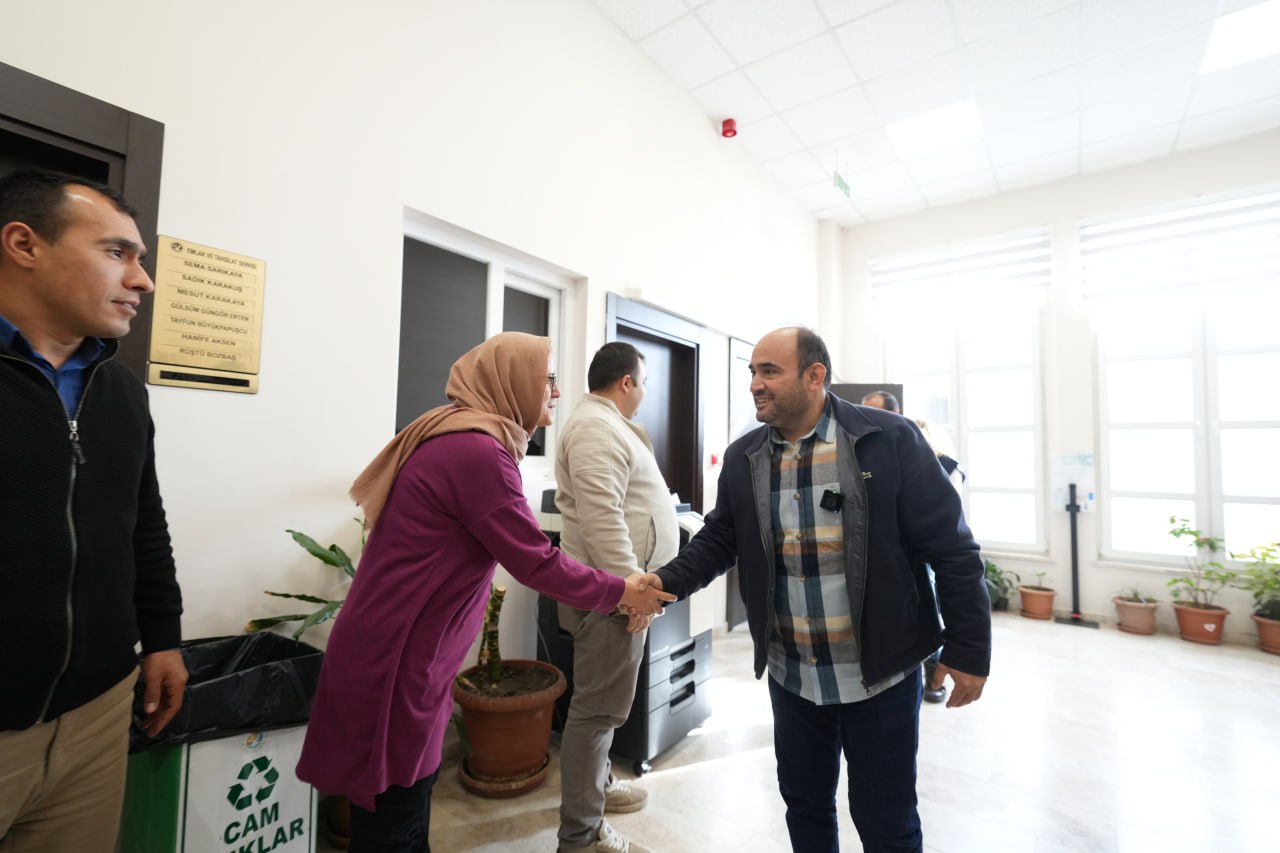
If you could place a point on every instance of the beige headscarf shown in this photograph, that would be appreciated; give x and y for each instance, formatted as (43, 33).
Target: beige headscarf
(497, 388)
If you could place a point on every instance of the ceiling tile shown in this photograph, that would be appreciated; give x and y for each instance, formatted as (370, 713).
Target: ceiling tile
(1041, 170)
(1130, 114)
(897, 35)
(1232, 87)
(1046, 44)
(844, 214)
(801, 74)
(960, 188)
(1146, 144)
(732, 96)
(686, 51)
(837, 116)
(979, 19)
(753, 29)
(822, 195)
(952, 163)
(857, 153)
(1035, 140)
(1030, 101)
(768, 139)
(921, 87)
(797, 170)
(638, 18)
(881, 180)
(1111, 25)
(1221, 126)
(839, 11)
(892, 204)
(1166, 60)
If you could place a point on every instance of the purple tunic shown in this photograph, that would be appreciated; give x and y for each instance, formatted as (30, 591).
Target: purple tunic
(415, 607)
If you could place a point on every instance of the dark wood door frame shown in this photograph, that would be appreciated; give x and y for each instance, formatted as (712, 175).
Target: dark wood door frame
(629, 315)
(130, 145)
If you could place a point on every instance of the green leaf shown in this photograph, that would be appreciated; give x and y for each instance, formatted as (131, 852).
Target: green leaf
(271, 621)
(301, 597)
(344, 562)
(314, 549)
(324, 614)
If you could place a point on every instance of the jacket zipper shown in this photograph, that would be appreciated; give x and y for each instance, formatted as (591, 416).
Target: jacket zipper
(73, 424)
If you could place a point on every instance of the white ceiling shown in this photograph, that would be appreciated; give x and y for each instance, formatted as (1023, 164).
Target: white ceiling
(1062, 87)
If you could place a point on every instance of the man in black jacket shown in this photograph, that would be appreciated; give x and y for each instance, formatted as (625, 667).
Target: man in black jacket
(831, 512)
(85, 560)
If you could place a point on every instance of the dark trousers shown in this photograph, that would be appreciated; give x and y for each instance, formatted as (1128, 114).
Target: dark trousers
(398, 823)
(878, 737)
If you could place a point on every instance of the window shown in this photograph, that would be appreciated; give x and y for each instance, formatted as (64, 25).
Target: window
(962, 332)
(1189, 419)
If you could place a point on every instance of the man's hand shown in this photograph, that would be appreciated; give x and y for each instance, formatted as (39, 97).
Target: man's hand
(637, 623)
(163, 678)
(643, 595)
(968, 688)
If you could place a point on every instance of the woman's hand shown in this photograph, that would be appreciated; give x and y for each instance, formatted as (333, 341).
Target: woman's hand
(643, 595)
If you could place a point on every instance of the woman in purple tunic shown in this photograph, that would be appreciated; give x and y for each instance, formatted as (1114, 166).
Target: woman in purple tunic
(443, 503)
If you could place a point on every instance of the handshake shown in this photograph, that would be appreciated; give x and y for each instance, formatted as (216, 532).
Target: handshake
(642, 600)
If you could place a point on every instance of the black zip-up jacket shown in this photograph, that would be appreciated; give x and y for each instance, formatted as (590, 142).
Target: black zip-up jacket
(86, 568)
(899, 513)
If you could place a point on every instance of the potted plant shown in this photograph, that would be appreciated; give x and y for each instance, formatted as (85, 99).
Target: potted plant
(506, 714)
(1037, 599)
(1261, 577)
(1135, 611)
(1199, 619)
(999, 584)
(337, 809)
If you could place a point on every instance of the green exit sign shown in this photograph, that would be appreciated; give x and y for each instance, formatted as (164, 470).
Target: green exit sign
(841, 183)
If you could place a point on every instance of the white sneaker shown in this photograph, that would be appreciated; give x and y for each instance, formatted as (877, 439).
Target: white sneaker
(610, 840)
(621, 797)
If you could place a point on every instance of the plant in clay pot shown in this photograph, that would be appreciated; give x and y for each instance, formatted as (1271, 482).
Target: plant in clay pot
(1261, 578)
(506, 715)
(1037, 599)
(1135, 611)
(1199, 619)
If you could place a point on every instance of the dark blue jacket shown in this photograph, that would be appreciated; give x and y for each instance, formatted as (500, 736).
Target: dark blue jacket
(900, 512)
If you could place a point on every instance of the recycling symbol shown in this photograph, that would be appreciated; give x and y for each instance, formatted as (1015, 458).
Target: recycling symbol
(240, 797)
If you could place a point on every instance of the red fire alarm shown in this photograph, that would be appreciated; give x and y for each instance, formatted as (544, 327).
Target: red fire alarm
(729, 128)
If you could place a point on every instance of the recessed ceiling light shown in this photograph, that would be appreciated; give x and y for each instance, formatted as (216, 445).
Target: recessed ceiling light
(1243, 37)
(936, 130)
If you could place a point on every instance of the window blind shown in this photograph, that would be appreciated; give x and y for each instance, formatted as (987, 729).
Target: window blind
(1019, 260)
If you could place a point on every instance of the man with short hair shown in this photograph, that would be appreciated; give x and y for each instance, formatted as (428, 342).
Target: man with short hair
(882, 400)
(85, 561)
(619, 517)
(831, 512)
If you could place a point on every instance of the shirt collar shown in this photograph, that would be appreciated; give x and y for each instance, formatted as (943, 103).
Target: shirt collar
(12, 338)
(824, 430)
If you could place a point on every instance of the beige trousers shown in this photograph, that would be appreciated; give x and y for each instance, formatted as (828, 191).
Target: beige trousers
(62, 782)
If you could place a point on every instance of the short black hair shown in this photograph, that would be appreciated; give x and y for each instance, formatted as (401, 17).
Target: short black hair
(891, 403)
(35, 198)
(810, 349)
(613, 361)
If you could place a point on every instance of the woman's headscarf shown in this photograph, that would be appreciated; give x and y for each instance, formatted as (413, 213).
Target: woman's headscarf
(496, 388)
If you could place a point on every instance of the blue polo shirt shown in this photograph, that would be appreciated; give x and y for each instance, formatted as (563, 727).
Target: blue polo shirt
(70, 378)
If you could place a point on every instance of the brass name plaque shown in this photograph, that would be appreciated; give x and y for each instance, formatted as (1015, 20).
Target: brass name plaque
(206, 327)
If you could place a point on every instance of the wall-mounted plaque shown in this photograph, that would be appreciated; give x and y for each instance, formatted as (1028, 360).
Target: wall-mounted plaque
(206, 329)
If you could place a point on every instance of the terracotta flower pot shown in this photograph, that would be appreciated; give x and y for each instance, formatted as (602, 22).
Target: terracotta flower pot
(1135, 617)
(1268, 634)
(508, 735)
(1037, 602)
(1200, 625)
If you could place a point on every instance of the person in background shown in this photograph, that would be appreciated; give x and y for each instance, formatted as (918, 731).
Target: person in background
(443, 503)
(85, 558)
(882, 400)
(831, 512)
(618, 515)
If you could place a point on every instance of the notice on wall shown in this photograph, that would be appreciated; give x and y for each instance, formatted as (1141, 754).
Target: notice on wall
(1077, 468)
(206, 329)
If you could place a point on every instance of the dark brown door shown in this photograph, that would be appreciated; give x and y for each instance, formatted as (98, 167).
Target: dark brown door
(48, 126)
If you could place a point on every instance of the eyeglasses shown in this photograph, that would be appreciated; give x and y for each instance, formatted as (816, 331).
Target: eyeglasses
(551, 381)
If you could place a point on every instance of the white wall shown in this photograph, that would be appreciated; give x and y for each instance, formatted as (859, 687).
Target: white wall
(299, 131)
(1069, 356)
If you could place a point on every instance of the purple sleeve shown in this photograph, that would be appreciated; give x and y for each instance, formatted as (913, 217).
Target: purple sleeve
(493, 508)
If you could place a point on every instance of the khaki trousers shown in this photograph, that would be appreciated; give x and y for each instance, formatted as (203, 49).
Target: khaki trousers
(62, 781)
(606, 661)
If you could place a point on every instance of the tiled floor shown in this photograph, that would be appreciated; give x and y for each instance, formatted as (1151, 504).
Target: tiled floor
(1085, 740)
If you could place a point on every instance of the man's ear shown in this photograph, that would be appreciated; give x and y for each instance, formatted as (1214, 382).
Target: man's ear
(17, 244)
(817, 374)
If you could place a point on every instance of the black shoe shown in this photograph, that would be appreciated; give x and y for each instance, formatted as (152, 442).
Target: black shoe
(933, 697)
